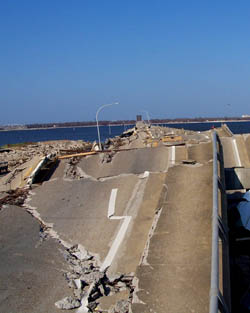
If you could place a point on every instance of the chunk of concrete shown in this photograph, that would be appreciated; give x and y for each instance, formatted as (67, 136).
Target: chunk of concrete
(68, 303)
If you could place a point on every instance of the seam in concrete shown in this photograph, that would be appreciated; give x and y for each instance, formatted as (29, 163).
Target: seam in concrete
(145, 174)
(47, 226)
(136, 199)
(133, 204)
(112, 251)
(144, 256)
(85, 175)
(53, 234)
(135, 298)
(102, 179)
(50, 181)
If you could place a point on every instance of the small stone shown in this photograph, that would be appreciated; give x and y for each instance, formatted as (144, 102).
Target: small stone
(92, 306)
(92, 277)
(68, 303)
(78, 293)
(80, 253)
(114, 278)
(121, 285)
(78, 283)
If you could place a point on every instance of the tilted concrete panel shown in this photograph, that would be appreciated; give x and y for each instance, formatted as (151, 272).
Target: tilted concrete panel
(237, 178)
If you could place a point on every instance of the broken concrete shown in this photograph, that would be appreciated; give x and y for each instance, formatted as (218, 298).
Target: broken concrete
(31, 274)
(71, 214)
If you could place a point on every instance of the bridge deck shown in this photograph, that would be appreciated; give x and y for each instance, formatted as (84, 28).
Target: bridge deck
(177, 278)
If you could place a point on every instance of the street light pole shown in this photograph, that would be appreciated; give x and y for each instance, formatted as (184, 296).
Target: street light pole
(147, 116)
(97, 124)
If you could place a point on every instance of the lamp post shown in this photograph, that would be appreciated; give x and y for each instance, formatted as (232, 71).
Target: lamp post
(147, 116)
(97, 124)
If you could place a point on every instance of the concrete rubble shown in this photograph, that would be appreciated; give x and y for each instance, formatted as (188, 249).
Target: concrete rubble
(85, 277)
(19, 154)
(142, 135)
(87, 281)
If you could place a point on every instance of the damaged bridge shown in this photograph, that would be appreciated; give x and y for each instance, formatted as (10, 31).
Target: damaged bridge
(128, 230)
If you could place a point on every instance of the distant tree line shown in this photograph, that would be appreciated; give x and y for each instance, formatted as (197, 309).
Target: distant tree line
(78, 124)
(156, 121)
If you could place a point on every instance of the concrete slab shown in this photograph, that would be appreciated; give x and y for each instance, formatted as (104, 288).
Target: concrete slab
(247, 144)
(133, 162)
(18, 177)
(31, 272)
(177, 277)
(243, 155)
(201, 152)
(78, 209)
(230, 157)
(134, 246)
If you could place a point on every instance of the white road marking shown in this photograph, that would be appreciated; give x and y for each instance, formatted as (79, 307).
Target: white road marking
(144, 175)
(111, 209)
(236, 152)
(121, 234)
(132, 203)
(172, 154)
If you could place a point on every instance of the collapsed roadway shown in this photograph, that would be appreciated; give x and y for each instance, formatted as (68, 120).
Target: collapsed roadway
(129, 230)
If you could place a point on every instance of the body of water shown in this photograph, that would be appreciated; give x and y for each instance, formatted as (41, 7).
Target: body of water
(90, 133)
(67, 133)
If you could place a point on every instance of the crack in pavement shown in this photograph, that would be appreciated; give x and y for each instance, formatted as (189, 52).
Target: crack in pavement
(132, 206)
(144, 256)
(85, 267)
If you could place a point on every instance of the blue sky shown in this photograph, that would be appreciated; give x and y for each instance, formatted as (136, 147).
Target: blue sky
(60, 60)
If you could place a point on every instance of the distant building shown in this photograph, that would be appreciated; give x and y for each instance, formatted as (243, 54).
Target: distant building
(138, 118)
(244, 116)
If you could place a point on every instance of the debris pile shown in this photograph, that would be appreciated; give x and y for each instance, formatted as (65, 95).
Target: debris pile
(107, 157)
(14, 197)
(89, 284)
(19, 154)
(71, 170)
(145, 135)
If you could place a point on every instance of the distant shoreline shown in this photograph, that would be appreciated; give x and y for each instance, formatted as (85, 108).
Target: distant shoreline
(57, 127)
(130, 124)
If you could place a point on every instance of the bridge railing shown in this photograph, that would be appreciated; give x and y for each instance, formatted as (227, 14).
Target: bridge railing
(220, 301)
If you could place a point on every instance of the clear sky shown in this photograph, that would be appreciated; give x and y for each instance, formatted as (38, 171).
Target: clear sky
(61, 59)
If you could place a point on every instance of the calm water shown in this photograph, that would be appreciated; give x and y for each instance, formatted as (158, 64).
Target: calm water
(90, 133)
(69, 133)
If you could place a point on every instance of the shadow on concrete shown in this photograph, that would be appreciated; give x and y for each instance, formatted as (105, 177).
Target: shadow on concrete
(232, 179)
(239, 240)
(46, 172)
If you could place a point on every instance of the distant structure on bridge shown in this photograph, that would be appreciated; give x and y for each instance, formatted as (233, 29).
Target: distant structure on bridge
(138, 118)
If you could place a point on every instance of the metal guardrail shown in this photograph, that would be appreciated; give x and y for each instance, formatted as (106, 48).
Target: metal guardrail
(217, 301)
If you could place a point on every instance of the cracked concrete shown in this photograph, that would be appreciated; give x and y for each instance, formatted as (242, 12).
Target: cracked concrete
(127, 162)
(144, 257)
(28, 270)
(70, 212)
